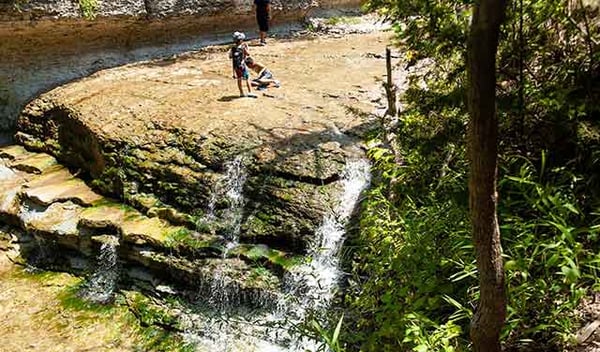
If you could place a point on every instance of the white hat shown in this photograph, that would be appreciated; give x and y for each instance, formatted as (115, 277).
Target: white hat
(239, 36)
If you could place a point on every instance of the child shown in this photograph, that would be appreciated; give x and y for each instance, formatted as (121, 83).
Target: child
(265, 77)
(238, 54)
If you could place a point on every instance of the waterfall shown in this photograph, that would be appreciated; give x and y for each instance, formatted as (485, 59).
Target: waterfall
(234, 192)
(102, 283)
(312, 286)
(315, 281)
(231, 188)
(309, 287)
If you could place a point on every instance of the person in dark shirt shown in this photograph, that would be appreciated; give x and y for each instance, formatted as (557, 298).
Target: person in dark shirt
(238, 54)
(263, 17)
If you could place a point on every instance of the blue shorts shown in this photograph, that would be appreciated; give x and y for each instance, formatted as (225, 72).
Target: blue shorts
(242, 72)
(265, 74)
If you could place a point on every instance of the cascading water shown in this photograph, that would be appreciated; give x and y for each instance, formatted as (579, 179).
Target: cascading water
(231, 186)
(5, 172)
(316, 280)
(102, 283)
(309, 287)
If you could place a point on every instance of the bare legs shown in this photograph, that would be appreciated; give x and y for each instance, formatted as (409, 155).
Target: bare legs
(263, 37)
(239, 83)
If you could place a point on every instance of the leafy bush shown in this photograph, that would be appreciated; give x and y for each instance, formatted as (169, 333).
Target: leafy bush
(88, 8)
(413, 261)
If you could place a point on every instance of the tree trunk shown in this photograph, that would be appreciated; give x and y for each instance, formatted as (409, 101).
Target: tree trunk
(483, 157)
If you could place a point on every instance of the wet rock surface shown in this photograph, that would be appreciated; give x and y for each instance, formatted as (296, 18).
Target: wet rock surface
(165, 139)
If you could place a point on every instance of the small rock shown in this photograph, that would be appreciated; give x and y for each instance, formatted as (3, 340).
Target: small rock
(587, 331)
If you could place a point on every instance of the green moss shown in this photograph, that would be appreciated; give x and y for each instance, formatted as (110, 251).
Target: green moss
(35, 144)
(110, 181)
(70, 299)
(256, 225)
(183, 237)
(150, 317)
(259, 273)
(285, 261)
(37, 275)
(149, 313)
(202, 225)
(264, 255)
(156, 339)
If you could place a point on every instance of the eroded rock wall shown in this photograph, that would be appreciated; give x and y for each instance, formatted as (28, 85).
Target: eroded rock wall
(61, 224)
(18, 10)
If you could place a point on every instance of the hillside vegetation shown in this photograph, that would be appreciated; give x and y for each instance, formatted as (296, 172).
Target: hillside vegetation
(413, 282)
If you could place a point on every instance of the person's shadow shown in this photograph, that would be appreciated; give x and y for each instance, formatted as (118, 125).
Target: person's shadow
(227, 98)
(233, 97)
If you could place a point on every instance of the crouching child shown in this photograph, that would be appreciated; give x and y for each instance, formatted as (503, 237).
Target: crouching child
(265, 77)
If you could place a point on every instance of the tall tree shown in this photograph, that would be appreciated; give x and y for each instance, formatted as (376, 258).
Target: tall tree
(483, 157)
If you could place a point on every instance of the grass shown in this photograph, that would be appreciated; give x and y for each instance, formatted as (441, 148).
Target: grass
(334, 21)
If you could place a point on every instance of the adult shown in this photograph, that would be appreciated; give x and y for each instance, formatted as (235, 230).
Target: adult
(263, 17)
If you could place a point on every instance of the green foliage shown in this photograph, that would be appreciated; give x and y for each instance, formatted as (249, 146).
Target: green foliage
(88, 8)
(330, 338)
(413, 261)
(551, 258)
(413, 284)
(409, 251)
(435, 29)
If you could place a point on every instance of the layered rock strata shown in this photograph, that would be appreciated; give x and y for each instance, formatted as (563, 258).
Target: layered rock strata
(64, 222)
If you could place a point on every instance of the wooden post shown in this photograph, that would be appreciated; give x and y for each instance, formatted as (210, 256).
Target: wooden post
(390, 89)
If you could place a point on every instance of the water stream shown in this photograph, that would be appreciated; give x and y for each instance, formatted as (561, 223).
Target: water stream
(309, 288)
(231, 188)
(312, 286)
(101, 285)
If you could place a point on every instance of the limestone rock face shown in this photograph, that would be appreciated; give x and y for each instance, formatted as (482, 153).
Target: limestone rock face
(63, 224)
(45, 43)
(167, 130)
